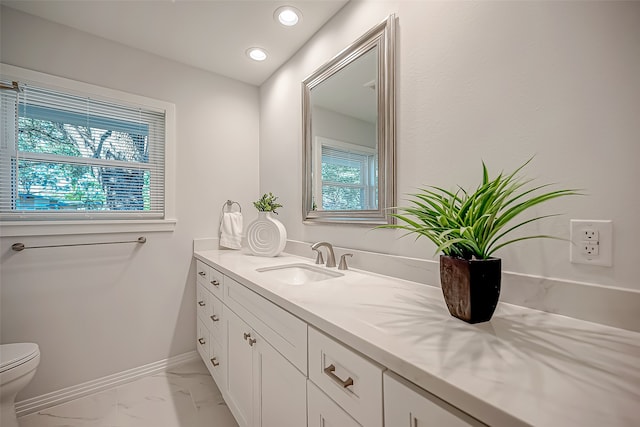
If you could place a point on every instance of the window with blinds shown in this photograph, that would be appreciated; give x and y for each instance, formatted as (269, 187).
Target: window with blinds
(349, 178)
(65, 156)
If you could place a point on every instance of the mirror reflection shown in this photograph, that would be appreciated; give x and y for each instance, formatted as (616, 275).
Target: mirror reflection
(349, 133)
(344, 138)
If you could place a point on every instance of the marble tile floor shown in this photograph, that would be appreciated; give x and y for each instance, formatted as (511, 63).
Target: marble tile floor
(183, 396)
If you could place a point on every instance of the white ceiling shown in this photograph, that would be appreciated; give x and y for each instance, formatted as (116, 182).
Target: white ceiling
(353, 93)
(211, 35)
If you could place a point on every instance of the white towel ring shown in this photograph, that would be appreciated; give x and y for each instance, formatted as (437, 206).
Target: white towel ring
(229, 206)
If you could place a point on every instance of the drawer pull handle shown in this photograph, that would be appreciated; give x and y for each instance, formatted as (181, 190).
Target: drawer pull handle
(329, 370)
(246, 336)
(201, 303)
(215, 318)
(202, 341)
(202, 273)
(215, 283)
(214, 361)
(252, 341)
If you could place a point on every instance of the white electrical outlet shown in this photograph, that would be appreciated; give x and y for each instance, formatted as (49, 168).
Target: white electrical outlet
(590, 249)
(591, 242)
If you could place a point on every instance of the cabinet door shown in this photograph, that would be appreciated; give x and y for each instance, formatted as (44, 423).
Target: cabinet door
(280, 398)
(239, 368)
(324, 412)
(406, 405)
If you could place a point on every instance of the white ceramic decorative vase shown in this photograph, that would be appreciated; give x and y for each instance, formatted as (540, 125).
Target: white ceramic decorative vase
(266, 236)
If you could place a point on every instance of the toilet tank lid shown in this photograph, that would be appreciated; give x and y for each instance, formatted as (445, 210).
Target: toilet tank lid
(12, 355)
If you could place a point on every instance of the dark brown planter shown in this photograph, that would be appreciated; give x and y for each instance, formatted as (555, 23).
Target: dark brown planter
(471, 288)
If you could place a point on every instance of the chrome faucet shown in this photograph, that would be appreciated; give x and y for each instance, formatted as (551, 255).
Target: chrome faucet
(331, 258)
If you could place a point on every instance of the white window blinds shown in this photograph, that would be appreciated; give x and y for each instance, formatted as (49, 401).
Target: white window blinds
(66, 156)
(348, 178)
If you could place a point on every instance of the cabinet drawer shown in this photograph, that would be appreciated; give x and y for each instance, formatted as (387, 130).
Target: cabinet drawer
(323, 412)
(202, 340)
(348, 378)
(285, 332)
(216, 363)
(407, 405)
(202, 302)
(216, 283)
(202, 272)
(214, 318)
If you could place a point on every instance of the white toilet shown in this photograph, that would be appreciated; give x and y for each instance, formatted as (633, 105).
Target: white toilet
(18, 363)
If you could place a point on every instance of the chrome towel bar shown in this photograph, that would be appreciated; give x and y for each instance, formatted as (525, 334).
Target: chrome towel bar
(20, 246)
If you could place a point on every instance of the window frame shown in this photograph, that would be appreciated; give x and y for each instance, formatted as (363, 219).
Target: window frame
(98, 223)
(369, 183)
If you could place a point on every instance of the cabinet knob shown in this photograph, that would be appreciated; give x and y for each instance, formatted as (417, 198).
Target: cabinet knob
(202, 341)
(201, 303)
(329, 370)
(215, 318)
(246, 336)
(214, 361)
(252, 341)
(202, 273)
(215, 283)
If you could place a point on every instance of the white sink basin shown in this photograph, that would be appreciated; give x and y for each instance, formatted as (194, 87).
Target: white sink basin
(298, 274)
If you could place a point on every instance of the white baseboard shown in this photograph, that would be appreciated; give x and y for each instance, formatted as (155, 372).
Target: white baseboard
(38, 403)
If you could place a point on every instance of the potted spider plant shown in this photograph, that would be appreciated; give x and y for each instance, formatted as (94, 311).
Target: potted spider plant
(468, 228)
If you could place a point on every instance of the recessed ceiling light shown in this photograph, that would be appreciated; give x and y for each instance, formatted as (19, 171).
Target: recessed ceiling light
(287, 16)
(257, 54)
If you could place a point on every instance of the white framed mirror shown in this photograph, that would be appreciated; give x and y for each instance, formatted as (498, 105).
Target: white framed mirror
(348, 114)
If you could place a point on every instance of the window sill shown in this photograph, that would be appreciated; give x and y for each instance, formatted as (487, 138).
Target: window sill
(53, 228)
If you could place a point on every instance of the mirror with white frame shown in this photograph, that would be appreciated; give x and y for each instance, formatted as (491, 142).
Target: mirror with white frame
(348, 113)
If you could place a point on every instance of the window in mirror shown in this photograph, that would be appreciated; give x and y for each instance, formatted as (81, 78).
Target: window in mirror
(348, 176)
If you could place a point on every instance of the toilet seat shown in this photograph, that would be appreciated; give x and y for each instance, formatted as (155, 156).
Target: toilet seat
(13, 355)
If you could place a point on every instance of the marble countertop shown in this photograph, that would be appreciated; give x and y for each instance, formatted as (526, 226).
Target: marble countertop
(524, 367)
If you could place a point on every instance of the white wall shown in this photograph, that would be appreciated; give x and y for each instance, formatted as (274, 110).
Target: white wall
(99, 310)
(332, 125)
(497, 81)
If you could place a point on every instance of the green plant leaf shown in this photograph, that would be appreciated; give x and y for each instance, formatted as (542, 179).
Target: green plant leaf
(473, 224)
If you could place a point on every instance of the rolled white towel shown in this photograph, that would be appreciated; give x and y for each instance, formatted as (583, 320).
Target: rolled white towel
(231, 230)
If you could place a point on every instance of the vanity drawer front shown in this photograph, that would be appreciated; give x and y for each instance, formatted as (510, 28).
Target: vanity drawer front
(202, 302)
(216, 283)
(285, 332)
(202, 340)
(351, 380)
(324, 412)
(214, 318)
(216, 363)
(202, 272)
(408, 405)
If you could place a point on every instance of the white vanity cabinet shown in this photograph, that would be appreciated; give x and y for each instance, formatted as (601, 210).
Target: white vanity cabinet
(275, 370)
(406, 405)
(263, 352)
